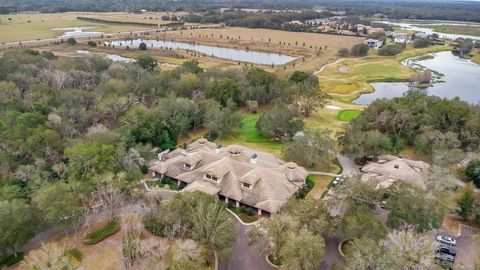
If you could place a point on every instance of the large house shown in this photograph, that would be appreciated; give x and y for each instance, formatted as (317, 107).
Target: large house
(238, 175)
(373, 43)
(401, 38)
(389, 169)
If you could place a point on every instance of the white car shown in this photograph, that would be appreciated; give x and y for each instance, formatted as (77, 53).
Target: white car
(446, 240)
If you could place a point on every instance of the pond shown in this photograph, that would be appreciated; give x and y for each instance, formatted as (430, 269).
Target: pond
(77, 31)
(424, 27)
(254, 57)
(459, 77)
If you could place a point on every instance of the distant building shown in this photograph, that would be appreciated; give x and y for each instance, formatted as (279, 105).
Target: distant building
(236, 174)
(401, 38)
(143, 10)
(421, 35)
(373, 43)
(389, 169)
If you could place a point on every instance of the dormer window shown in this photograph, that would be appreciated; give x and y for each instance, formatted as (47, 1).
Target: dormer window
(188, 166)
(212, 177)
(247, 185)
(396, 166)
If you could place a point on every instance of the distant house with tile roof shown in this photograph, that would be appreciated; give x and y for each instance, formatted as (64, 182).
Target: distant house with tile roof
(389, 169)
(236, 174)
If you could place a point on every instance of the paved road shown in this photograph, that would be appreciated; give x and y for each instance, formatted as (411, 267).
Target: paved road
(243, 256)
(349, 167)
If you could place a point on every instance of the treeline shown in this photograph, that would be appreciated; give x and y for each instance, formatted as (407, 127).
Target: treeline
(272, 20)
(441, 128)
(398, 9)
(88, 19)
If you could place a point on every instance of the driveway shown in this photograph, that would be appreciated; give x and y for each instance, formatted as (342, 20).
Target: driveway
(349, 167)
(243, 256)
(467, 251)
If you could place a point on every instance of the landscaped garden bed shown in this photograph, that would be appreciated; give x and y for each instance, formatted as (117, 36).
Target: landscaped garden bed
(99, 235)
(302, 193)
(165, 183)
(245, 213)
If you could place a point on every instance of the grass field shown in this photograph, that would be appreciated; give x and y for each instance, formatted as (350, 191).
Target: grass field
(20, 27)
(348, 115)
(476, 57)
(457, 29)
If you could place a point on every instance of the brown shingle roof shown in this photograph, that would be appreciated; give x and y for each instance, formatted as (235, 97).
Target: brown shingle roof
(272, 181)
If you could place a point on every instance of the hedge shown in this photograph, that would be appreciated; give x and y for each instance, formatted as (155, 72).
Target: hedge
(99, 235)
(12, 259)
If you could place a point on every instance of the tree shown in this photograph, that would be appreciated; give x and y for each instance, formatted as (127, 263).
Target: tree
(71, 41)
(310, 97)
(218, 120)
(223, 90)
(466, 203)
(147, 62)
(343, 52)
(92, 44)
(421, 43)
(281, 122)
(59, 202)
(414, 249)
(211, 225)
(359, 50)
(358, 223)
(312, 148)
(472, 171)
(407, 205)
(359, 193)
(88, 158)
(302, 250)
(109, 192)
(50, 256)
(18, 223)
(391, 49)
(361, 145)
(192, 66)
(142, 46)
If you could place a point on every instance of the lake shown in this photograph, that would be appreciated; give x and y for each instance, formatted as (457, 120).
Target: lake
(424, 28)
(460, 78)
(254, 57)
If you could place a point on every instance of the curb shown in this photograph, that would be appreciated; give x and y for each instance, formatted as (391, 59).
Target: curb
(270, 263)
(340, 247)
(240, 220)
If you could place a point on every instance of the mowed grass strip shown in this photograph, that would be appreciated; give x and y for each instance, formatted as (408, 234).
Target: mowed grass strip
(348, 115)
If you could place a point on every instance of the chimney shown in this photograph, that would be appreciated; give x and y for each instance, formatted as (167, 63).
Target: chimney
(218, 148)
(253, 159)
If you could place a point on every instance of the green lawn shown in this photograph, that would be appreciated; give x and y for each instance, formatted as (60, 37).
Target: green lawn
(348, 115)
(457, 29)
(321, 186)
(248, 135)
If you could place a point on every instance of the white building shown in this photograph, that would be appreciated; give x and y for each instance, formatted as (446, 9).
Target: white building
(402, 38)
(373, 43)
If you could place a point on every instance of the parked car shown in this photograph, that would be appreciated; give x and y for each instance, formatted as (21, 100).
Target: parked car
(446, 249)
(445, 258)
(446, 240)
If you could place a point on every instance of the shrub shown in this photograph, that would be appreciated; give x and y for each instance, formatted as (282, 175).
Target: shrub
(359, 50)
(343, 52)
(71, 41)
(99, 235)
(74, 253)
(421, 43)
(391, 49)
(473, 172)
(144, 169)
(142, 46)
(92, 44)
(12, 259)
